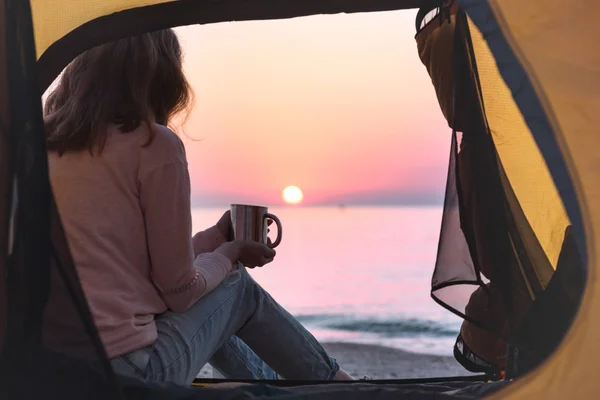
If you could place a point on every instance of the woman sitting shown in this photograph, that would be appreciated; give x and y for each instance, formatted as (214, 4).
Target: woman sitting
(164, 303)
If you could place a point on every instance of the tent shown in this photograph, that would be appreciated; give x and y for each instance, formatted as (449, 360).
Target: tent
(517, 81)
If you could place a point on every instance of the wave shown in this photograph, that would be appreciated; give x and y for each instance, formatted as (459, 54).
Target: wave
(403, 327)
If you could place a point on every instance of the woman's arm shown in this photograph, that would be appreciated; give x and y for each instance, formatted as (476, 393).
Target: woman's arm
(181, 278)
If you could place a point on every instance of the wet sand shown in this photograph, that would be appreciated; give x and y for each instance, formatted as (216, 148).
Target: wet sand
(380, 362)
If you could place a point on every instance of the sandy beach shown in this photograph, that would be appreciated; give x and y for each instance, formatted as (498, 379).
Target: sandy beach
(380, 362)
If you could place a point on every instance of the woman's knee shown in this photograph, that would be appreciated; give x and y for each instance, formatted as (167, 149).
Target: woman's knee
(245, 277)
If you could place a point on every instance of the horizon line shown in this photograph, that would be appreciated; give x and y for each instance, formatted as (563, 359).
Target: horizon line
(399, 205)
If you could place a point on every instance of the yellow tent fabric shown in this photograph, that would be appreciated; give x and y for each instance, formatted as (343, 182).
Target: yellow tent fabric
(54, 19)
(557, 44)
(521, 159)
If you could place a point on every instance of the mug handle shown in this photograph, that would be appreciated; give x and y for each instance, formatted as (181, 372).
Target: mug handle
(278, 223)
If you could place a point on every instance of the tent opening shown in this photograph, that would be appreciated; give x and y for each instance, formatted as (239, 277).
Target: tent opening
(287, 89)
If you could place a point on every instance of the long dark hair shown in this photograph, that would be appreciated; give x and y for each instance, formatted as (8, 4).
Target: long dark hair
(133, 81)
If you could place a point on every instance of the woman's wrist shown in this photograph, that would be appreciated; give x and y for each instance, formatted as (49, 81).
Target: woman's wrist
(231, 250)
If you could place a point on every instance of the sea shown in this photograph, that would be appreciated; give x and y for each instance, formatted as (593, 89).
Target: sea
(358, 274)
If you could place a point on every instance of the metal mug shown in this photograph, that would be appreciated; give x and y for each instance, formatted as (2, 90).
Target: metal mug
(250, 223)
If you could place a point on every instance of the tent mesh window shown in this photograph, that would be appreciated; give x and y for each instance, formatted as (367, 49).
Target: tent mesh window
(504, 240)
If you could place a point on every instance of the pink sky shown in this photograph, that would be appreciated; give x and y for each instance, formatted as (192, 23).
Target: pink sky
(340, 106)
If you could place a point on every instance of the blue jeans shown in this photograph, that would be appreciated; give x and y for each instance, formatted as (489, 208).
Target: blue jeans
(240, 330)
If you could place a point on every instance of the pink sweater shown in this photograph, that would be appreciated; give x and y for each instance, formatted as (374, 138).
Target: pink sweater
(127, 217)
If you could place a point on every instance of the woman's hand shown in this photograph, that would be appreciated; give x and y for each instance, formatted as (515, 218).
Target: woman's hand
(225, 227)
(251, 254)
(255, 254)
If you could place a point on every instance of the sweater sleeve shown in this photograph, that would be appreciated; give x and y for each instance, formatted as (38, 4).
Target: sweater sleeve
(180, 278)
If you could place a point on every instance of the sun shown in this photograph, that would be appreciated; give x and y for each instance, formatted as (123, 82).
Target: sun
(292, 195)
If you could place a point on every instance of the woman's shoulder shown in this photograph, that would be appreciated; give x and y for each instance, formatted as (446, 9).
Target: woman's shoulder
(165, 139)
(164, 147)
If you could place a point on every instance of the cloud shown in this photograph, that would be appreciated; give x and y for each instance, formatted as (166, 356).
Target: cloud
(226, 198)
(387, 197)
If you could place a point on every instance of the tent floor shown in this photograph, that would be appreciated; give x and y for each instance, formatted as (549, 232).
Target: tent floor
(294, 383)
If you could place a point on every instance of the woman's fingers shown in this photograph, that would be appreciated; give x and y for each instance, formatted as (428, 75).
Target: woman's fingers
(254, 254)
(266, 260)
(268, 256)
(269, 253)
